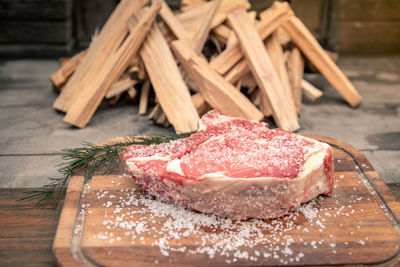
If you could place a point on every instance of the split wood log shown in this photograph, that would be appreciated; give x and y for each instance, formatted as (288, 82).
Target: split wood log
(261, 101)
(189, 4)
(60, 77)
(114, 100)
(248, 81)
(283, 36)
(173, 23)
(275, 52)
(120, 86)
(131, 94)
(84, 107)
(144, 97)
(201, 105)
(275, 15)
(302, 37)
(232, 38)
(200, 38)
(155, 112)
(222, 32)
(295, 70)
(238, 71)
(310, 90)
(99, 51)
(168, 84)
(191, 18)
(219, 93)
(263, 71)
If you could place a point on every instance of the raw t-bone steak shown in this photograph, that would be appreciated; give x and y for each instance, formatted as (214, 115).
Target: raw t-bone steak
(234, 168)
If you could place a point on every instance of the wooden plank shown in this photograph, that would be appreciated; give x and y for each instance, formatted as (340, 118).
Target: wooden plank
(275, 53)
(369, 11)
(360, 217)
(101, 49)
(263, 71)
(26, 230)
(295, 70)
(356, 37)
(203, 30)
(26, 32)
(144, 97)
(310, 90)
(38, 10)
(35, 50)
(168, 84)
(120, 86)
(83, 108)
(66, 69)
(314, 52)
(273, 18)
(311, 13)
(219, 93)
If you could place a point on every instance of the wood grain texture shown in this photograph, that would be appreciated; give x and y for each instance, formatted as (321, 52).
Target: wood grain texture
(191, 18)
(167, 81)
(375, 220)
(83, 108)
(26, 231)
(101, 49)
(219, 93)
(260, 64)
(310, 91)
(60, 77)
(204, 27)
(273, 18)
(314, 52)
(295, 70)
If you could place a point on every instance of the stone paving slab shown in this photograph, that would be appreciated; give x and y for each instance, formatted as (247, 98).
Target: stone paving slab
(32, 133)
(28, 171)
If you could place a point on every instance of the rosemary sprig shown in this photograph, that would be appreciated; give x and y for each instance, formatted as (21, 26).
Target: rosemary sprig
(88, 159)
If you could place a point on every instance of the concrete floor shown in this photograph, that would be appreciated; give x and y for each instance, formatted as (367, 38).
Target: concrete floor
(32, 133)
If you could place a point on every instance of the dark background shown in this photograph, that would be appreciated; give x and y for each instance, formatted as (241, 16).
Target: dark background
(43, 28)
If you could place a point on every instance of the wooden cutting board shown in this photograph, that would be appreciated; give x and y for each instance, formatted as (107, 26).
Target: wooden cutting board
(109, 222)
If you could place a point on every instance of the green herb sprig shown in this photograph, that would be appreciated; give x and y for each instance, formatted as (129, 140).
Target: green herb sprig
(88, 159)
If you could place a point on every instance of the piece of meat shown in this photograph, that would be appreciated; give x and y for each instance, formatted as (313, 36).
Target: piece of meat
(234, 168)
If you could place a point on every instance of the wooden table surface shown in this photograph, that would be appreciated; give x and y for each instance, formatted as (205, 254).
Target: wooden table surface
(27, 232)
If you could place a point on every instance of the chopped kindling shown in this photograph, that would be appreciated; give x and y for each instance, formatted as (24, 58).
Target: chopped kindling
(208, 54)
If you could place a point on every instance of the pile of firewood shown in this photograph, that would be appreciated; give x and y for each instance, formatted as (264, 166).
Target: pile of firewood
(135, 53)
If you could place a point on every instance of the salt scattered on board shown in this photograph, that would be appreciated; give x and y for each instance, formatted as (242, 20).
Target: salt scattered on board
(135, 216)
